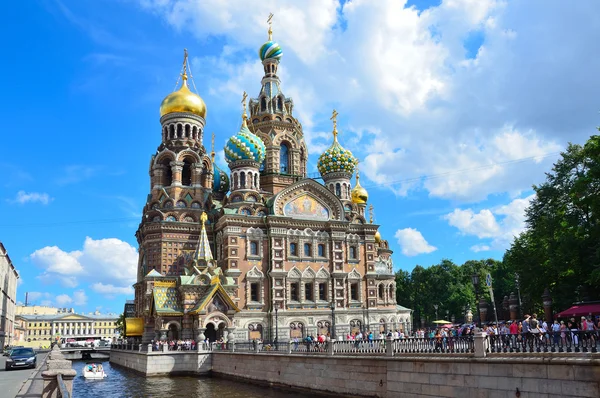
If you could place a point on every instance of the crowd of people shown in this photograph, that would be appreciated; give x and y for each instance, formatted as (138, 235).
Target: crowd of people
(174, 345)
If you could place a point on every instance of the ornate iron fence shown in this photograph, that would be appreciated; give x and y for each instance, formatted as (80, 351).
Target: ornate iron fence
(565, 341)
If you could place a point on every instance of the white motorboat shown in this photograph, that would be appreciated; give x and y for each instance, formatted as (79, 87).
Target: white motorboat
(93, 371)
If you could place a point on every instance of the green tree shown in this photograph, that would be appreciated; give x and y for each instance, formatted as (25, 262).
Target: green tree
(561, 247)
(120, 324)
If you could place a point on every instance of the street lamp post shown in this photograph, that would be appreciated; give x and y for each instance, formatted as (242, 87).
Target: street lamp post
(475, 280)
(436, 306)
(518, 285)
(332, 320)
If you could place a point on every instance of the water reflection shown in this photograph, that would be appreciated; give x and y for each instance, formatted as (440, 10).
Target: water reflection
(124, 383)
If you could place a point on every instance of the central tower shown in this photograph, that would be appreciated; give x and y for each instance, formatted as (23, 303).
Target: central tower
(272, 119)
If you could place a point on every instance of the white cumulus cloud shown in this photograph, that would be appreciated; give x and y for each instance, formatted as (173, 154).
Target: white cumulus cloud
(498, 226)
(109, 262)
(63, 300)
(23, 197)
(111, 289)
(412, 242)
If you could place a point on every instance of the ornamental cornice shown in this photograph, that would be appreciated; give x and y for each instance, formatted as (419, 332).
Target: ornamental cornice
(338, 175)
(182, 117)
(243, 163)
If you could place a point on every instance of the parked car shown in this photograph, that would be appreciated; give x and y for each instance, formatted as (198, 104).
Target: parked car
(7, 350)
(21, 358)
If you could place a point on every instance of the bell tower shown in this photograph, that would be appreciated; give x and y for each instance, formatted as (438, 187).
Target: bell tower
(272, 119)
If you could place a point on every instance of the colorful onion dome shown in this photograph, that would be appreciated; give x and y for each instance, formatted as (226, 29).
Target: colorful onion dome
(377, 237)
(359, 194)
(220, 180)
(245, 146)
(336, 158)
(183, 100)
(270, 50)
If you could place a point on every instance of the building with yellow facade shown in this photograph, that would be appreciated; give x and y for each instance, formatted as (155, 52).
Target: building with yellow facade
(42, 330)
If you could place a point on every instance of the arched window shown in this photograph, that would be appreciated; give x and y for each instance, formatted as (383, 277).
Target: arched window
(242, 180)
(179, 131)
(235, 181)
(256, 181)
(284, 158)
(352, 252)
(253, 248)
(307, 250)
(167, 173)
(338, 190)
(279, 104)
(321, 250)
(186, 173)
(381, 291)
(187, 131)
(263, 104)
(293, 249)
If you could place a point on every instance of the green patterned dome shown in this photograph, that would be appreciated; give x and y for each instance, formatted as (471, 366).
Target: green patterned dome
(336, 159)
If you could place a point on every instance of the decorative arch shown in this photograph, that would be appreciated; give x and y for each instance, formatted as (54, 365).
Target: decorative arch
(217, 318)
(166, 154)
(294, 273)
(313, 191)
(309, 274)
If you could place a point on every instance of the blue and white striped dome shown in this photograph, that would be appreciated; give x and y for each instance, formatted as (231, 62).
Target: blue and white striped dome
(245, 146)
(270, 50)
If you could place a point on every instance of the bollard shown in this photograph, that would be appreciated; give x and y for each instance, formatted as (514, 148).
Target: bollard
(256, 346)
(165, 347)
(149, 347)
(480, 344)
(330, 347)
(57, 365)
(389, 347)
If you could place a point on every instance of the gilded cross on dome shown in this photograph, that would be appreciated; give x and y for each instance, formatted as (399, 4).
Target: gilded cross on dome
(333, 117)
(270, 22)
(185, 61)
(244, 115)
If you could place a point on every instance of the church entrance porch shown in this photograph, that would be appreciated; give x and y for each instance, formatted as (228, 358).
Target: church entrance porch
(173, 333)
(211, 332)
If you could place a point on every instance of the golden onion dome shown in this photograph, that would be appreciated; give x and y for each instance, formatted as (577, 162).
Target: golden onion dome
(358, 193)
(183, 100)
(377, 237)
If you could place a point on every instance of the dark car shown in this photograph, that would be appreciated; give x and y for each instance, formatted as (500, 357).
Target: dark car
(21, 358)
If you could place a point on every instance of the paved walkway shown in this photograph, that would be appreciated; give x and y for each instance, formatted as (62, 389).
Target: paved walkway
(34, 384)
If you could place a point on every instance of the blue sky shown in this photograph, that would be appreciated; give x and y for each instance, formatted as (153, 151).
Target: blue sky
(454, 108)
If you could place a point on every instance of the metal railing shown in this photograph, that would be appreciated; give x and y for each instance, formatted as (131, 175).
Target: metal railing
(439, 345)
(564, 341)
(63, 391)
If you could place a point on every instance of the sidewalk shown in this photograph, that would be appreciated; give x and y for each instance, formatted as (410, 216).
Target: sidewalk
(34, 386)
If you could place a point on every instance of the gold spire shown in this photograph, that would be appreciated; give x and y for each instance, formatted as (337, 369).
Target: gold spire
(203, 251)
(244, 115)
(333, 117)
(183, 100)
(358, 194)
(185, 59)
(270, 22)
(212, 148)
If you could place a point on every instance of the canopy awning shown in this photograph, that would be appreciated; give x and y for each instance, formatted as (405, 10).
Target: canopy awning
(580, 310)
(134, 327)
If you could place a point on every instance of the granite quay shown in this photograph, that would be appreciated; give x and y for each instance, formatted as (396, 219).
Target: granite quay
(411, 367)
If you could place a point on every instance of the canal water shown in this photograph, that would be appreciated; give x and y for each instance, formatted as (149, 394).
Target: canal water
(123, 383)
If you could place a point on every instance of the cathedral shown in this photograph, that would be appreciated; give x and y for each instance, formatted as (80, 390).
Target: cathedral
(260, 251)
